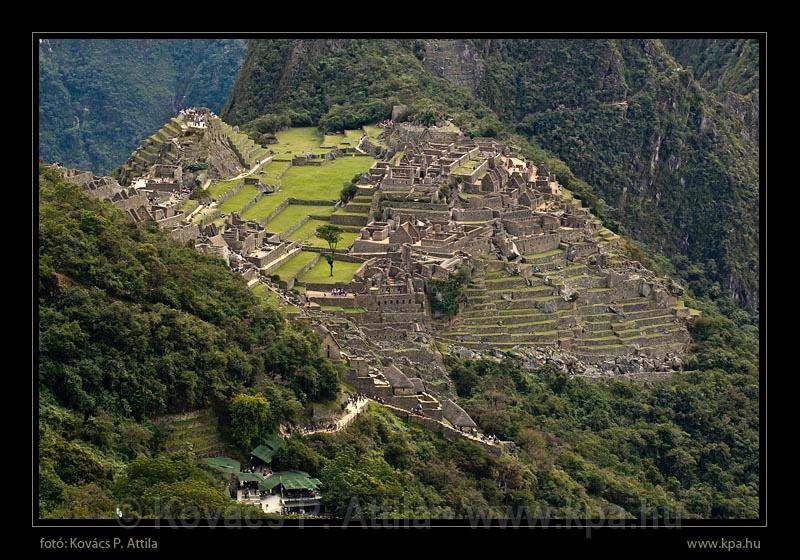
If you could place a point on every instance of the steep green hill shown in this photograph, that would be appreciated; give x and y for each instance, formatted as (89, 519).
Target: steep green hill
(663, 156)
(133, 325)
(99, 98)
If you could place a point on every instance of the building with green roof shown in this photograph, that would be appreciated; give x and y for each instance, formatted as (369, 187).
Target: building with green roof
(266, 450)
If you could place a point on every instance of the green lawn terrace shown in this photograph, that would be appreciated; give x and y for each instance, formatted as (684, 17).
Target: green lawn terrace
(347, 140)
(311, 268)
(295, 214)
(297, 141)
(294, 266)
(320, 273)
(239, 200)
(271, 173)
(310, 183)
(373, 132)
(306, 235)
(299, 222)
(323, 182)
(218, 188)
(268, 298)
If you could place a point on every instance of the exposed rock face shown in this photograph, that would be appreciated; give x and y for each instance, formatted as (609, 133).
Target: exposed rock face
(456, 60)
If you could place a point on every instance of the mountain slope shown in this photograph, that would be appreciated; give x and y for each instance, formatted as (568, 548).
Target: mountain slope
(99, 98)
(673, 163)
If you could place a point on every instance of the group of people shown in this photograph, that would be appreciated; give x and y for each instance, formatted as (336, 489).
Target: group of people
(355, 399)
(418, 410)
(317, 426)
(338, 292)
(260, 469)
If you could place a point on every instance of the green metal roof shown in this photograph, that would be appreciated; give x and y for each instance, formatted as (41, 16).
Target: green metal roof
(292, 480)
(268, 448)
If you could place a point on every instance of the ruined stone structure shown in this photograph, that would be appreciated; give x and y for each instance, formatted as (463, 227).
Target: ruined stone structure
(545, 275)
(546, 279)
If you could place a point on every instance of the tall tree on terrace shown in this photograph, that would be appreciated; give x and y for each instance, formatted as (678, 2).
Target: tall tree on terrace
(332, 234)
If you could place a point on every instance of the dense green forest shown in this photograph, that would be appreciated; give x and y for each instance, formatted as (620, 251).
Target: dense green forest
(620, 121)
(99, 98)
(720, 65)
(132, 324)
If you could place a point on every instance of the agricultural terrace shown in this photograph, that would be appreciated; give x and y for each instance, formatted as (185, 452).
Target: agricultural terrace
(293, 214)
(306, 235)
(237, 201)
(320, 273)
(310, 183)
(217, 188)
(295, 264)
(323, 182)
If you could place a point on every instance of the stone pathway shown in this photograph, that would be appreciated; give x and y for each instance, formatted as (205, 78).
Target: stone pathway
(352, 411)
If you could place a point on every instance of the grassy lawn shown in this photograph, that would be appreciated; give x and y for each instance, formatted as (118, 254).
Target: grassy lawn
(349, 139)
(307, 230)
(305, 233)
(268, 298)
(290, 268)
(205, 213)
(320, 272)
(293, 214)
(306, 183)
(235, 203)
(264, 206)
(218, 188)
(324, 182)
(298, 140)
(347, 238)
(373, 131)
(189, 204)
(271, 172)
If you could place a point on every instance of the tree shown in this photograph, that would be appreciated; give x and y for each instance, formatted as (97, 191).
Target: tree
(248, 414)
(332, 234)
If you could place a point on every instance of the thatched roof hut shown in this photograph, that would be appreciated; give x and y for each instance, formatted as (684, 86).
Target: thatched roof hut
(456, 415)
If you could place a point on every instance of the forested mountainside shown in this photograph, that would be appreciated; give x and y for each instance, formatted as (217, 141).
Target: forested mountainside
(720, 65)
(659, 154)
(727, 68)
(99, 98)
(133, 324)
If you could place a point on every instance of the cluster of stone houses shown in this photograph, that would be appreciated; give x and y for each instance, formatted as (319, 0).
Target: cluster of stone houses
(442, 201)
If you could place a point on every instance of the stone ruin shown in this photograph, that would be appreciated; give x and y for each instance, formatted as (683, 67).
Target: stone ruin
(546, 277)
